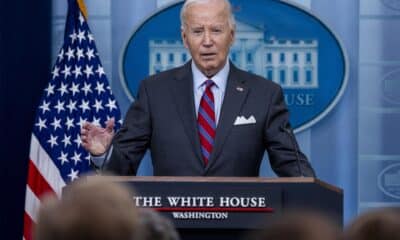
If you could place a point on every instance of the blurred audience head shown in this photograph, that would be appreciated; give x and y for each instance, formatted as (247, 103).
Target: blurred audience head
(156, 227)
(381, 224)
(91, 208)
(299, 226)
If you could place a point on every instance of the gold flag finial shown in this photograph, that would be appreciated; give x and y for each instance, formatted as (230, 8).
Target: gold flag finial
(82, 7)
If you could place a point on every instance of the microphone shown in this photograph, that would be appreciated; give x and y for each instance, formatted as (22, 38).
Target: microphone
(286, 128)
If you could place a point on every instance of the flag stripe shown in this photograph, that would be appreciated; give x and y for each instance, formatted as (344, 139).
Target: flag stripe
(31, 206)
(46, 166)
(36, 181)
(28, 224)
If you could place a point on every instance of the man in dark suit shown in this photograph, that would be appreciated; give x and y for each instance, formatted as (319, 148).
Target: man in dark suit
(206, 118)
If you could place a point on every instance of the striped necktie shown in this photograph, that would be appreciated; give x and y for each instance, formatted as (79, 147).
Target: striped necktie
(206, 121)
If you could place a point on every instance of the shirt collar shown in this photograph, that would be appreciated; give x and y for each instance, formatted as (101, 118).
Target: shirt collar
(219, 79)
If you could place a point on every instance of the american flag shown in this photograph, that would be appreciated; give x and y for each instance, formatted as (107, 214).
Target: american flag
(78, 91)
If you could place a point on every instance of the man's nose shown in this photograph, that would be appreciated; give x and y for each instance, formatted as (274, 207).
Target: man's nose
(207, 39)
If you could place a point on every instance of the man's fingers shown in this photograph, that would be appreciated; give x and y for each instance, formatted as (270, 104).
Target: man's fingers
(83, 131)
(110, 125)
(83, 138)
(85, 143)
(86, 125)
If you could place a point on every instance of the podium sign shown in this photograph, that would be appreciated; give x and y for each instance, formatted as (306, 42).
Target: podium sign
(227, 207)
(195, 204)
(234, 202)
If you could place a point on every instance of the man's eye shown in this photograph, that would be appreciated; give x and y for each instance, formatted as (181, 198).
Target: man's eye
(197, 31)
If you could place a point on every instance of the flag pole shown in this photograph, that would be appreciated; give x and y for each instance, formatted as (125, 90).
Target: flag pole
(82, 7)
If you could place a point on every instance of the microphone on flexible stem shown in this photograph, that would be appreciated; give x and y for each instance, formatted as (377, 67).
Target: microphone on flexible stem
(286, 128)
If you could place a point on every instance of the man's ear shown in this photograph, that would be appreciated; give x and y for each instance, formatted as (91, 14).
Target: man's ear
(184, 37)
(233, 32)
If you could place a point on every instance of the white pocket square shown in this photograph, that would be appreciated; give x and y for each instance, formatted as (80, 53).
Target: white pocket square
(241, 120)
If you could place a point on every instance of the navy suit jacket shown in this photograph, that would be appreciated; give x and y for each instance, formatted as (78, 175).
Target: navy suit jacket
(163, 118)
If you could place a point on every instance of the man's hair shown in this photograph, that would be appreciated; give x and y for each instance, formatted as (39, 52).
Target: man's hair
(154, 226)
(89, 209)
(375, 225)
(302, 225)
(231, 17)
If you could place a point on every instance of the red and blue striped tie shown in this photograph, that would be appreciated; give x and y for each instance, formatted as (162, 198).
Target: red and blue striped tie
(206, 121)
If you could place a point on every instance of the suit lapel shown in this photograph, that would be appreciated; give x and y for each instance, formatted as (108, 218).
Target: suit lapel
(184, 99)
(235, 95)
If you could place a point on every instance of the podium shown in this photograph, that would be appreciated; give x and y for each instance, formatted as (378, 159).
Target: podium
(227, 207)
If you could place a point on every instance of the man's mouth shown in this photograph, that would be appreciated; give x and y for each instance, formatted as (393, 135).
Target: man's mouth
(207, 55)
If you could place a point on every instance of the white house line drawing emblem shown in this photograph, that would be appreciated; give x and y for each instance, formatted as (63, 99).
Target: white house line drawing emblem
(296, 50)
(292, 63)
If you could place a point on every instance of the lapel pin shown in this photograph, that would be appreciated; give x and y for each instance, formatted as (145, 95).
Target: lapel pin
(240, 89)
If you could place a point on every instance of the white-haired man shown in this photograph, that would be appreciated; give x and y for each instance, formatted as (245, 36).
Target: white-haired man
(206, 118)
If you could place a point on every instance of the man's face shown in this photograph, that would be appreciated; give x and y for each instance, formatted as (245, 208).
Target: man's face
(208, 36)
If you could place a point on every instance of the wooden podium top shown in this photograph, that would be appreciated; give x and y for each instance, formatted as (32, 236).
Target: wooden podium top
(226, 179)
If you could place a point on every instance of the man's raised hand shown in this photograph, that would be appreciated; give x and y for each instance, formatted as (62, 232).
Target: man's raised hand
(95, 139)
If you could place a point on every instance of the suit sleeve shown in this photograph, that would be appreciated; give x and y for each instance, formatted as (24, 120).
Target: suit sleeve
(133, 139)
(280, 145)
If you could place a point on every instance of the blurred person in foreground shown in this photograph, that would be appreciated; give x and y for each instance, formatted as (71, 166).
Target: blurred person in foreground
(156, 227)
(90, 209)
(205, 118)
(299, 225)
(380, 224)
